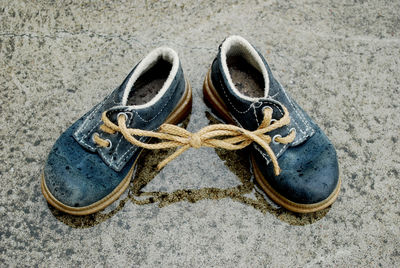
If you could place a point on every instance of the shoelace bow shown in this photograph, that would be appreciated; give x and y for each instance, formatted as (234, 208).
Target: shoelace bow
(210, 136)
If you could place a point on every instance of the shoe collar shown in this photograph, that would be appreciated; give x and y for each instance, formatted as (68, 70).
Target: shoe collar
(165, 53)
(237, 45)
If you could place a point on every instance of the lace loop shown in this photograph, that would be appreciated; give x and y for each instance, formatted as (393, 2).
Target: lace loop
(224, 136)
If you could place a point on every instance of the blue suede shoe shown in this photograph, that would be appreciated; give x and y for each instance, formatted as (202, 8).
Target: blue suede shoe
(299, 168)
(91, 165)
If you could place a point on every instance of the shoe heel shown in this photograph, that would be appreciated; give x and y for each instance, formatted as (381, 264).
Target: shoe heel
(214, 101)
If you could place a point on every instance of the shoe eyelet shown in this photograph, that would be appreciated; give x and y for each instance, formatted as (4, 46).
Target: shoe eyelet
(93, 137)
(109, 144)
(273, 120)
(293, 129)
(274, 139)
(109, 141)
(267, 107)
(124, 114)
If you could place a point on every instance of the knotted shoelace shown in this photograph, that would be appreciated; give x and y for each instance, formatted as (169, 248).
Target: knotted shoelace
(224, 136)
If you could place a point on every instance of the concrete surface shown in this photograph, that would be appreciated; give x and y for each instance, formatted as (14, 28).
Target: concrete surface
(340, 61)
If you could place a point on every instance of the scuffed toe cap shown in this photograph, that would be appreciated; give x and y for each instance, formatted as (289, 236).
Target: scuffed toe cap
(71, 185)
(309, 173)
(76, 177)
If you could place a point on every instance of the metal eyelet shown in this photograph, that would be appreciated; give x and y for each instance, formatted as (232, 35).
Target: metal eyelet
(267, 107)
(273, 120)
(293, 129)
(109, 144)
(109, 141)
(124, 114)
(93, 137)
(274, 139)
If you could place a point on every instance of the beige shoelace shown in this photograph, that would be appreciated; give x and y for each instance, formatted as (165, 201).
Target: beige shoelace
(224, 136)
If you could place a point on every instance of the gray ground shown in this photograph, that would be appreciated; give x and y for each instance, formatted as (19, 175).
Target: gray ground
(340, 61)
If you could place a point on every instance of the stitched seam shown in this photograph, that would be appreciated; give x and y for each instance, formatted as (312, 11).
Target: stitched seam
(266, 157)
(121, 159)
(255, 114)
(256, 147)
(277, 107)
(226, 95)
(136, 147)
(273, 96)
(299, 141)
(120, 139)
(295, 110)
(91, 114)
(272, 103)
(82, 139)
(159, 112)
(281, 150)
(87, 121)
(89, 131)
(301, 117)
(259, 104)
(262, 154)
(117, 163)
(87, 144)
(295, 121)
(284, 146)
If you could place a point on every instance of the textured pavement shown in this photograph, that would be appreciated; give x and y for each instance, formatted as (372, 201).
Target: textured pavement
(340, 61)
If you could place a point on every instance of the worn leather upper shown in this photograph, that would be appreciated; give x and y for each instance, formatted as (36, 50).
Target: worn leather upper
(78, 172)
(149, 118)
(309, 164)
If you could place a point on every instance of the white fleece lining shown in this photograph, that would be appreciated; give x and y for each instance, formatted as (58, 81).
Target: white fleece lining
(165, 53)
(237, 45)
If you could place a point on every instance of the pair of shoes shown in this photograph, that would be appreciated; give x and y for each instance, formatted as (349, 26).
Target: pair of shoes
(92, 162)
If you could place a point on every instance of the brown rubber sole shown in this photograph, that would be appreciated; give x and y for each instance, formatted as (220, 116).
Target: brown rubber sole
(290, 205)
(213, 100)
(181, 111)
